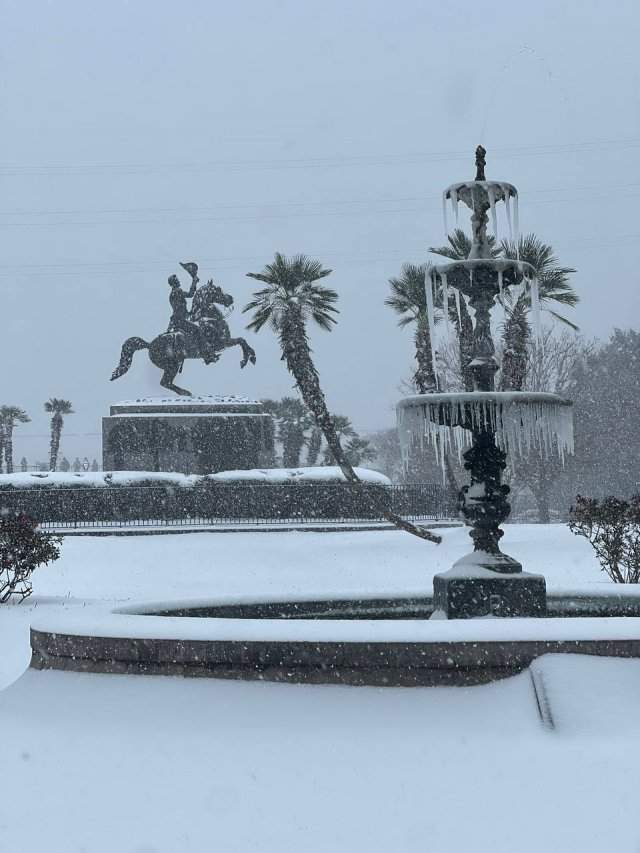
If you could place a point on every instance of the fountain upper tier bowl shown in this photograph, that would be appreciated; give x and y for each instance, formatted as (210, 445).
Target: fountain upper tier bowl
(485, 192)
(494, 273)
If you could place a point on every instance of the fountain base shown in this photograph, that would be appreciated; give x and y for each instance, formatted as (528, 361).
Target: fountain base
(495, 586)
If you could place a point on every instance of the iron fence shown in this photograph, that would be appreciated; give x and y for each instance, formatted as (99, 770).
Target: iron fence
(220, 503)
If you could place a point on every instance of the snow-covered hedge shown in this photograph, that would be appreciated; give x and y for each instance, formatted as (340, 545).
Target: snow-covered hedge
(100, 479)
(302, 493)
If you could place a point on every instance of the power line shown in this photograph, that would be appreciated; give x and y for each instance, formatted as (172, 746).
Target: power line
(607, 188)
(111, 268)
(52, 169)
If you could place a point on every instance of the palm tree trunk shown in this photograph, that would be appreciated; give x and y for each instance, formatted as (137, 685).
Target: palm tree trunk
(515, 338)
(54, 445)
(465, 345)
(315, 445)
(2, 443)
(292, 446)
(425, 376)
(297, 354)
(8, 448)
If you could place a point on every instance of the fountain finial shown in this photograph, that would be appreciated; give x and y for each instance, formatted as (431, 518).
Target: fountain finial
(481, 162)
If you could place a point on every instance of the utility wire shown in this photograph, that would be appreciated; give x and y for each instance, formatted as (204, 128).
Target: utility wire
(53, 169)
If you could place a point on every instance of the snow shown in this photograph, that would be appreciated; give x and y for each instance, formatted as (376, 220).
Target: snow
(160, 765)
(99, 763)
(85, 479)
(93, 479)
(104, 622)
(318, 474)
(206, 399)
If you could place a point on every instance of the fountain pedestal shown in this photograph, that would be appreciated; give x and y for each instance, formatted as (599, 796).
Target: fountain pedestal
(487, 582)
(469, 590)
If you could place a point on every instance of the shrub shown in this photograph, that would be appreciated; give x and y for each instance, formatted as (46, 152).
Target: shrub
(612, 526)
(23, 547)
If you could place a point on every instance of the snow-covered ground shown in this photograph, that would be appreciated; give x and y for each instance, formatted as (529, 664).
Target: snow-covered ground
(163, 765)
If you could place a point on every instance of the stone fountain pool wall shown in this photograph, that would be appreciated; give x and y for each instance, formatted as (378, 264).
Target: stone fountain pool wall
(381, 641)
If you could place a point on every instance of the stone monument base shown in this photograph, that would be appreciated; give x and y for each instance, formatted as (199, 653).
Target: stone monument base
(192, 435)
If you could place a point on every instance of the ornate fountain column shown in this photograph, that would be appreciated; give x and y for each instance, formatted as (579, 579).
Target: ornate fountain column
(487, 581)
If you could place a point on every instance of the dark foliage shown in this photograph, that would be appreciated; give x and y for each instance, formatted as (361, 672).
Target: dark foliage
(211, 502)
(612, 526)
(23, 547)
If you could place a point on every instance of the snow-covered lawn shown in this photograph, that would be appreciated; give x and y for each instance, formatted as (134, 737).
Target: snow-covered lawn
(162, 765)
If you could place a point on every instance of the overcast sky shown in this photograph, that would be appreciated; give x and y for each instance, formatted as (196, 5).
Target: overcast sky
(139, 134)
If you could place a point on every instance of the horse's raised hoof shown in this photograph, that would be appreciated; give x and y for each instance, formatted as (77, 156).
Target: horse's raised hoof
(252, 358)
(243, 363)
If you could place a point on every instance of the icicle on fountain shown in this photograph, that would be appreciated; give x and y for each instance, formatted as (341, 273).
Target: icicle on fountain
(487, 581)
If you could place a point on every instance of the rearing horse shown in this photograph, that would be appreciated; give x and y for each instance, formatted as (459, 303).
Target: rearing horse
(169, 350)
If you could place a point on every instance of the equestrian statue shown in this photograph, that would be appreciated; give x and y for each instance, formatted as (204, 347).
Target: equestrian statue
(201, 332)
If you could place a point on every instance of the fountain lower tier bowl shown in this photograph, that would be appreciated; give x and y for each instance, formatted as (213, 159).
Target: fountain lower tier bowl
(378, 641)
(522, 421)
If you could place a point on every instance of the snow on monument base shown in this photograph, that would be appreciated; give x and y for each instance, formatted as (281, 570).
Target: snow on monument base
(191, 435)
(471, 591)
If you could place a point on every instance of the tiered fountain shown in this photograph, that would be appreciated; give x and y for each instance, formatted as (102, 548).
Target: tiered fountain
(493, 422)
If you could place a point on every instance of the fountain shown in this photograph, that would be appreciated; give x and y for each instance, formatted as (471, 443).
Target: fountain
(487, 581)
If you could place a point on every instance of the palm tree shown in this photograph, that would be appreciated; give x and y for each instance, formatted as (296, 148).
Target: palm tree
(293, 420)
(554, 286)
(292, 297)
(346, 432)
(408, 299)
(10, 416)
(57, 408)
(314, 446)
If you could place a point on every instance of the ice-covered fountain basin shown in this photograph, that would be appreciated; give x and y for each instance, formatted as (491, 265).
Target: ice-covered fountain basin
(503, 272)
(385, 641)
(521, 420)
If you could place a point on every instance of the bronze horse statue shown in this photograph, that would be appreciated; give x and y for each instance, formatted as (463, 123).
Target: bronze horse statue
(203, 335)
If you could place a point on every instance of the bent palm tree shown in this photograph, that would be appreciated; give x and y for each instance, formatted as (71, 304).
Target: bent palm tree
(57, 408)
(10, 416)
(291, 298)
(554, 286)
(408, 299)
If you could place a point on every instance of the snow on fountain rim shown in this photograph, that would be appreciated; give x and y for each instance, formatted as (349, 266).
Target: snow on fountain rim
(499, 397)
(496, 264)
(483, 185)
(135, 622)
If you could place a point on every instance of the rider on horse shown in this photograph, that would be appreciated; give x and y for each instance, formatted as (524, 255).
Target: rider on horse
(180, 318)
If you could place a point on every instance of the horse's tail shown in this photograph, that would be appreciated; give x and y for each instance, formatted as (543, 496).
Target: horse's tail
(129, 347)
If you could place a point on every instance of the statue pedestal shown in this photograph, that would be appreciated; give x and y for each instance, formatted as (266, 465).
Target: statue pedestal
(192, 435)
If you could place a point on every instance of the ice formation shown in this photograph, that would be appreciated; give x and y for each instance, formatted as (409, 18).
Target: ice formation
(457, 296)
(536, 322)
(523, 422)
(445, 303)
(492, 206)
(431, 319)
